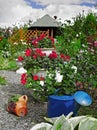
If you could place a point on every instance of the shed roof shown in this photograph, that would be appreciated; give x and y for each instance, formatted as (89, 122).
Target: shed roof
(45, 21)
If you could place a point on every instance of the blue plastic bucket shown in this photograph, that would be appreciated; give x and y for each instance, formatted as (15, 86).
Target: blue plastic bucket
(58, 105)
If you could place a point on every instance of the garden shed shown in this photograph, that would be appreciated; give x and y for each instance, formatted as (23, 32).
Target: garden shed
(46, 25)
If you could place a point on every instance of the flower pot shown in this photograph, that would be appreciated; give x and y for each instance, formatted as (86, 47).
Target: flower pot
(40, 73)
(20, 107)
(48, 50)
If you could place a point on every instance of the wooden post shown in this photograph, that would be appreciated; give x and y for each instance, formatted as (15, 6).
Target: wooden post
(21, 33)
(52, 32)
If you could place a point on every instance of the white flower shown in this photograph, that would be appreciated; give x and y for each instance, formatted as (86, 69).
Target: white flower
(15, 43)
(77, 35)
(24, 43)
(75, 68)
(58, 77)
(42, 83)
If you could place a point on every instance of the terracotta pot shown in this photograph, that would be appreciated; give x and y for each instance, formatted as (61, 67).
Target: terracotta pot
(20, 107)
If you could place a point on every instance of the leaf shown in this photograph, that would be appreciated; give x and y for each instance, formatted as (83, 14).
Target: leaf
(51, 120)
(76, 120)
(42, 126)
(69, 115)
(90, 123)
(62, 124)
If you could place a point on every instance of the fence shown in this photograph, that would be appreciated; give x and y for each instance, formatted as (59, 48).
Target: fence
(24, 35)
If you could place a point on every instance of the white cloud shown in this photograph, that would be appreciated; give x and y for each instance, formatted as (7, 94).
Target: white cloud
(13, 11)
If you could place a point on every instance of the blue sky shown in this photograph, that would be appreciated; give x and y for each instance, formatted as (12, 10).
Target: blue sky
(21, 11)
(87, 4)
(38, 4)
(34, 4)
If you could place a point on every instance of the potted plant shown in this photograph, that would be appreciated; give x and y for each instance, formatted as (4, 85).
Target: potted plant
(43, 84)
(61, 71)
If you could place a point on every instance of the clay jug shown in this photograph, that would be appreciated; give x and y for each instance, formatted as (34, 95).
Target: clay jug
(21, 106)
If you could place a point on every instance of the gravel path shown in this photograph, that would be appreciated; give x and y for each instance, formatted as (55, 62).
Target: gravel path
(36, 111)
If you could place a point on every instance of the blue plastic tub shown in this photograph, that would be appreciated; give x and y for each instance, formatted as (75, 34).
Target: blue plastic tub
(58, 105)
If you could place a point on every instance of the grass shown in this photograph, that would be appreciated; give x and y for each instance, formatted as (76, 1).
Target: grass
(3, 81)
(7, 64)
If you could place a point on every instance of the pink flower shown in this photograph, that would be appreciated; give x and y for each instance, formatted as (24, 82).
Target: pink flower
(79, 85)
(95, 43)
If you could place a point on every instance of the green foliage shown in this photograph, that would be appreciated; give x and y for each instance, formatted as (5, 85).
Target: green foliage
(2, 80)
(90, 24)
(65, 123)
(89, 123)
(7, 64)
(14, 98)
(78, 41)
(4, 44)
(76, 32)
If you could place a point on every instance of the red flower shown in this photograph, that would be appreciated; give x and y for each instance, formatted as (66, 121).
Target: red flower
(40, 53)
(23, 81)
(34, 56)
(52, 40)
(62, 56)
(53, 55)
(42, 78)
(35, 77)
(20, 58)
(24, 78)
(65, 57)
(42, 36)
(28, 52)
(35, 43)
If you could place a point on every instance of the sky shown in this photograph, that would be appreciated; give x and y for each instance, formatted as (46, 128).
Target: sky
(18, 12)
